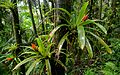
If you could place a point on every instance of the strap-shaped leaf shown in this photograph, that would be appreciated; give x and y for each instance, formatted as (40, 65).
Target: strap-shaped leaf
(87, 22)
(64, 10)
(102, 42)
(49, 46)
(101, 27)
(42, 65)
(2, 60)
(81, 13)
(55, 29)
(41, 48)
(89, 48)
(81, 36)
(61, 43)
(23, 62)
(48, 67)
(97, 24)
(32, 66)
(59, 62)
(30, 52)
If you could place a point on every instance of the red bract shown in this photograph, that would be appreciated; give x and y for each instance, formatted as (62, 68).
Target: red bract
(9, 59)
(85, 18)
(33, 46)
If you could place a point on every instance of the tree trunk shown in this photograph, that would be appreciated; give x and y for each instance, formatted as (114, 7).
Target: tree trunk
(100, 9)
(43, 27)
(16, 29)
(32, 18)
(57, 69)
(91, 11)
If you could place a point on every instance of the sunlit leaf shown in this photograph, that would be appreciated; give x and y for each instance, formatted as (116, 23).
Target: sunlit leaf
(61, 43)
(89, 48)
(2, 60)
(97, 24)
(101, 27)
(81, 13)
(44, 36)
(102, 42)
(32, 66)
(30, 52)
(52, 33)
(48, 67)
(41, 47)
(7, 4)
(42, 65)
(23, 62)
(81, 36)
(55, 29)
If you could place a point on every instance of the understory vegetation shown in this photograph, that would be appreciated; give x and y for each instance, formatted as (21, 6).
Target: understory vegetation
(59, 37)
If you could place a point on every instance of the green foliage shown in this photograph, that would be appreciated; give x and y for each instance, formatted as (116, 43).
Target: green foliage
(82, 37)
(38, 56)
(89, 72)
(110, 69)
(76, 22)
(3, 69)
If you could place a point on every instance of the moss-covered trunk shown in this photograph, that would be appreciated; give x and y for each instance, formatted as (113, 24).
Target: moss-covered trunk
(57, 69)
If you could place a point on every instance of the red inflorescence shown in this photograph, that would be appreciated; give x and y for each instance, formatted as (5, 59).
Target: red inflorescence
(33, 46)
(9, 59)
(85, 18)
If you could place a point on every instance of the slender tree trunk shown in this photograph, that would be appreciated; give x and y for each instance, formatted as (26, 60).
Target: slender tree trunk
(114, 8)
(1, 25)
(32, 18)
(16, 25)
(43, 27)
(16, 29)
(100, 9)
(91, 11)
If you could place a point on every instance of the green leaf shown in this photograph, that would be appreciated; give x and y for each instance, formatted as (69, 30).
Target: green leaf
(81, 13)
(54, 30)
(61, 43)
(102, 42)
(64, 10)
(32, 66)
(2, 60)
(87, 22)
(81, 36)
(44, 36)
(97, 24)
(41, 47)
(7, 4)
(59, 62)
(30, 52)
(101, 27)
(41, 67)
(49, 46)
(89, 48)
(23, 62)
(48, 67)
